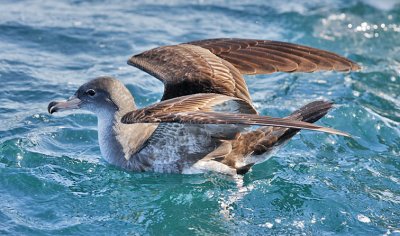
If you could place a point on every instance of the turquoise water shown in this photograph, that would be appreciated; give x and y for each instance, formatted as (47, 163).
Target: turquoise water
(54, 182)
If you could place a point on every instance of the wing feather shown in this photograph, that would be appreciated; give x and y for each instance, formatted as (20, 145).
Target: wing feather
(260, 53)
(187, 69)
(203, 109)
(217, 65)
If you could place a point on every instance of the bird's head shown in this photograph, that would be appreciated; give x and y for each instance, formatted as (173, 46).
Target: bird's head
(100, 95)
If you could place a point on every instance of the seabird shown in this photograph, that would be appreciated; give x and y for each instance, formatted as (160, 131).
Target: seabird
(203, 121)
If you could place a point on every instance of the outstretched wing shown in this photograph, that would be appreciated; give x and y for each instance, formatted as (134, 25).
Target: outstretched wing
(187, 69)
(204, 109)
(252, 56)
(217, 65)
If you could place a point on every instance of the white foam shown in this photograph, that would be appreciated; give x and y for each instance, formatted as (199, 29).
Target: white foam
(363, 218)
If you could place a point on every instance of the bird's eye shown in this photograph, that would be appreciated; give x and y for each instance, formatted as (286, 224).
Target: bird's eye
(91, 92)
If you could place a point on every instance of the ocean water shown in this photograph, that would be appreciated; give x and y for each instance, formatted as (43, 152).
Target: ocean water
(53, 180)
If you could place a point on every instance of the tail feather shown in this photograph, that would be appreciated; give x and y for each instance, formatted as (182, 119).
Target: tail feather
(276, 136)
(311, 113)
(245, 150)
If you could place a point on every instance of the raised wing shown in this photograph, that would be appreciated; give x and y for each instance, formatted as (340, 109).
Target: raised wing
(217, 65)
(188, 69)
(203, 109)
(252, 56)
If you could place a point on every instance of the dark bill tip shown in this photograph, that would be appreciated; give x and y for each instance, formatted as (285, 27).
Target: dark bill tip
(72, 103)
(52, 107)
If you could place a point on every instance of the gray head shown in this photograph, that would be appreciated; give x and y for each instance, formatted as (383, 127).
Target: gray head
(101, 95)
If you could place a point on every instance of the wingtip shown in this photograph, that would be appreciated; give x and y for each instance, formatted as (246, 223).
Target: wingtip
(335, 131)
(129, 62)
(355, 67)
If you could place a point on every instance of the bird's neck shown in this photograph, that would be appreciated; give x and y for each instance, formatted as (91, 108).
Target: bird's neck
(110, 147)
(119, 142)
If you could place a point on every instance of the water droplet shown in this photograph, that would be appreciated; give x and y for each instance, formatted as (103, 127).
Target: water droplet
(268, 225)
(19, 156)
(298, 224)
(313, 220)
(363, 218)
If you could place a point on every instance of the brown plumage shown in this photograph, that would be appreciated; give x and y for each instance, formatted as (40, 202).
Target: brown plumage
(264, 56)
(200, 124)
(187, 69)
(217, 65)
(198, 109)
(249, 148)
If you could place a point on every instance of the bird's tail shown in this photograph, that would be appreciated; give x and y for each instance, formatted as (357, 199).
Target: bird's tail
(238, 155)
(271, 137)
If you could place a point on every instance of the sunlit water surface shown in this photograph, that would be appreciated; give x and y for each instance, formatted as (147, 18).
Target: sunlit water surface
(54, 181)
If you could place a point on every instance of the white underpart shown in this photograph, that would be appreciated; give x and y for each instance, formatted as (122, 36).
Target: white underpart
(106, 135)
(209, 165)
(178, 137)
